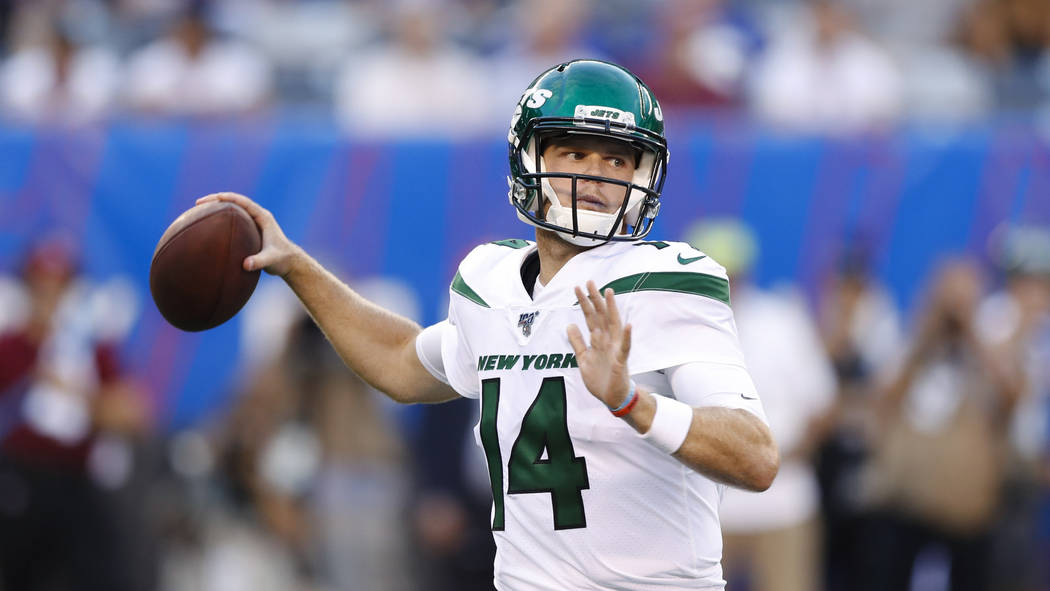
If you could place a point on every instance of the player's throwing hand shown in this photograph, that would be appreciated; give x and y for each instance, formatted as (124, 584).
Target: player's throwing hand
(278, 252)
(603, 365)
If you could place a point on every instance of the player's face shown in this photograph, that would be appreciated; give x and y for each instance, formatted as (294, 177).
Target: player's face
(593, 156)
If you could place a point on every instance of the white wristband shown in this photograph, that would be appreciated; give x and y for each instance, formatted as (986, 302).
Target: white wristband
(670, 424)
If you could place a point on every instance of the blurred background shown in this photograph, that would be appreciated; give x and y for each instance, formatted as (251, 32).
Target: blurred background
(875, 174)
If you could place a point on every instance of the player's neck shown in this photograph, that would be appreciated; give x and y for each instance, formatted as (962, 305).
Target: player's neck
(554, 253)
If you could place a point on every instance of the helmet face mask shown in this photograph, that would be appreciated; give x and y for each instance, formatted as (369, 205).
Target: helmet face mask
(599, 100)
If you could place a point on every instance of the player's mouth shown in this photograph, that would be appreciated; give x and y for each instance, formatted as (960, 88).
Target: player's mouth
(590, 202)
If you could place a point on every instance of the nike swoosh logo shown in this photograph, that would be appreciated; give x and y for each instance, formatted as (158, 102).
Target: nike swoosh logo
(690, 260)
(745, 397)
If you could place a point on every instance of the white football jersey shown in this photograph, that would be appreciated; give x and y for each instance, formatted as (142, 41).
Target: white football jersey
(581, 501)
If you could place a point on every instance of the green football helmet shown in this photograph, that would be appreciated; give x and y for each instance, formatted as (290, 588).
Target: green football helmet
(593, 98)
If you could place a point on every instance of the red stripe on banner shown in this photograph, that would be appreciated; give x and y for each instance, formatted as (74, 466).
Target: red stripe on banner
(82, 152)
(328, 198)
(834, 193)
(881, 198)
(731, 161)
(230, 158)
(23, 201)
(165, 340)
(155, 369)
(1003, 162)
(249, 157)
(59, 185)
(1037, 206)
(168, 365)
(363, 163)
(468, 191)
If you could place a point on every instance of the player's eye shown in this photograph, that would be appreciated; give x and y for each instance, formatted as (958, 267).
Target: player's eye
(617, 162)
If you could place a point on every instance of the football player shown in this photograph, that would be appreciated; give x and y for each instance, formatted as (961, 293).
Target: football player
(614, 399)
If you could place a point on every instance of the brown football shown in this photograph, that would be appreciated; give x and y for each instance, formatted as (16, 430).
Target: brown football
(196, 277)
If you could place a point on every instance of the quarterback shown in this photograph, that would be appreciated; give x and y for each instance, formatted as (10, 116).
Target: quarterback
(614, 400)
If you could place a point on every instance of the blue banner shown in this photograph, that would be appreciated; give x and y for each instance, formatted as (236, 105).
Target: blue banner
(411, 210)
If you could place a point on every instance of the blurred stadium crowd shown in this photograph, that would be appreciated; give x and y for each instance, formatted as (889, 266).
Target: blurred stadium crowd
(915, 443)
(450, 67)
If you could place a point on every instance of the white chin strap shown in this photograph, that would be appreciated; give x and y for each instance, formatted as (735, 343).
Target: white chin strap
(593, 222)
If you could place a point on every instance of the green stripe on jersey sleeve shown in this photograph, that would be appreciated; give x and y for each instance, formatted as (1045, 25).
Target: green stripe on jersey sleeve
(699, 284)
(459, 286)
(511, 243)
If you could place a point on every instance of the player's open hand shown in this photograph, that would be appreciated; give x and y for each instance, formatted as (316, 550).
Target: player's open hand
(603, 365)
(278, 252)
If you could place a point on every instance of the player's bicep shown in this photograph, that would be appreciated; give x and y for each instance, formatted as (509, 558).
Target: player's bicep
(419, 382)
(725, 385)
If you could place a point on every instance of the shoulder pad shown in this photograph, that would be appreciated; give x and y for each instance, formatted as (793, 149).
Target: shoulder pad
(670, 266)
(482, 274)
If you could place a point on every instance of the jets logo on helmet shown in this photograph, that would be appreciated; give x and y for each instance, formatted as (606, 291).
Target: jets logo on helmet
(537, 98)
(585, 112)
(594, 98)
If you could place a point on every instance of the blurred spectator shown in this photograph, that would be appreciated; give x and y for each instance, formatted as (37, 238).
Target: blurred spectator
(906, 27)
(416, 84)
(772, 539)
(150, 9)
(481, 25)
(453, 501)
(31, 23)
(6, 8)
(191, 71)
(860, 323)
(311, 454)
(824, 75)
(1015, 322)
(136, 23)
(71, 423)
(945, 82)
(704, 55)
(939, 466)
(59, 81)
(943, 85)
(862, 334)
(547, 32)
(1012, 39)
(305, 41)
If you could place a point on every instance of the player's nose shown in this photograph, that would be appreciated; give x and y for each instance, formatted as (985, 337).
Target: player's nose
(593, 165)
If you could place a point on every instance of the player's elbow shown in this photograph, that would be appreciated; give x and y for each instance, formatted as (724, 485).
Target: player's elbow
(407, 393)
(401, 395)
(763, 467)
(428, 391)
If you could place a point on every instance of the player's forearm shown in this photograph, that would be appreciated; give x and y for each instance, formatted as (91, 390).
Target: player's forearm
(731, 446)
(728, 445)
(374, 342)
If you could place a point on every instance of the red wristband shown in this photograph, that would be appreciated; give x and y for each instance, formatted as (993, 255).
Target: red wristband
(628, 404)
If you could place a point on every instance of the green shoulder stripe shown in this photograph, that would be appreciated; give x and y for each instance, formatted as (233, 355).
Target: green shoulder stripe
(511, 243)
(459, 286)
(699, 284)
(659, 244)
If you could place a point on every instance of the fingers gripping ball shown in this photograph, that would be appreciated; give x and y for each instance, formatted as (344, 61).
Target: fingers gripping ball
(197, 276)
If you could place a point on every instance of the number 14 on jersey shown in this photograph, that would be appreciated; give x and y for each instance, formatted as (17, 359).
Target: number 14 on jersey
(542, 459)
